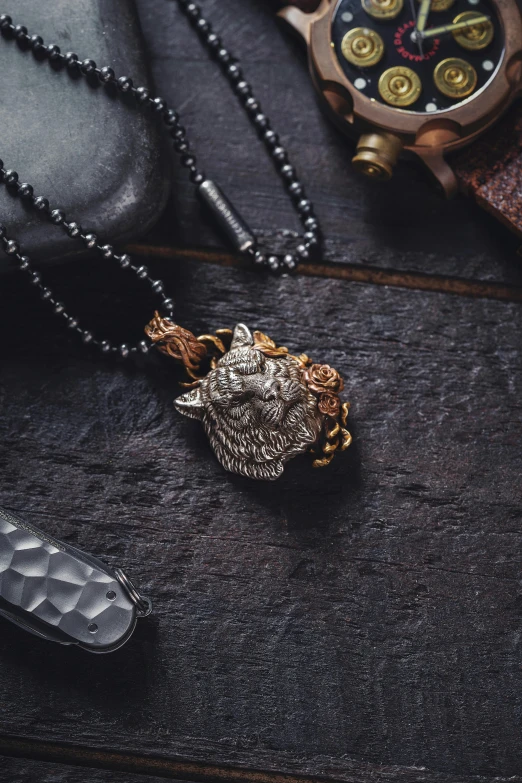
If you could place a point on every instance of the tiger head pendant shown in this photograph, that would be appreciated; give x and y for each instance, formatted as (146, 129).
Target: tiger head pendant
(259, 405)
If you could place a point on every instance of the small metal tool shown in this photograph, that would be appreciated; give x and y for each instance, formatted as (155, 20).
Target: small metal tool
(61, 594)
(227, 217)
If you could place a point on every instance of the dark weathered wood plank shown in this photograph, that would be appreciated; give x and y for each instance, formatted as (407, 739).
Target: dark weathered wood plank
(365, 615)
(180, 770)
(13, 770)
(355, 273)
(402, 225)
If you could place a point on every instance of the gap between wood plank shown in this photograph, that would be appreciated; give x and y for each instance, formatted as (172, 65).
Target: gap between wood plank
(144, 765)
(351, 273)
(200, 772)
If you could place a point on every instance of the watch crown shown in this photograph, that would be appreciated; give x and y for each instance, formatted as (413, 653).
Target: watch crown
(377, 154)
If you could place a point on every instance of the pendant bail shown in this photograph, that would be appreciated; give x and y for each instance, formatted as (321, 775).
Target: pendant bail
(176, 342)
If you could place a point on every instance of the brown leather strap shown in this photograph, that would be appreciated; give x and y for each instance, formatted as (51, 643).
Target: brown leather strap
(490, 169)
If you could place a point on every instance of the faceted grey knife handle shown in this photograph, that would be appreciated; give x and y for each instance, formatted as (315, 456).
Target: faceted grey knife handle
(57, 592)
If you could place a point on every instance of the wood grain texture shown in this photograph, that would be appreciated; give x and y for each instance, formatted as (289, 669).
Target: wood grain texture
(355, 273)
(24, 771)
(360, 623)
(201, 772)
(402, 224)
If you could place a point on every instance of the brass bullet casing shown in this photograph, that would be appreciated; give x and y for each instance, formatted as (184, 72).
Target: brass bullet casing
(362, 46)
(377, 154)
(383, 9)
(440, 5)
(455, 78)
(472, 38)
(399, 86)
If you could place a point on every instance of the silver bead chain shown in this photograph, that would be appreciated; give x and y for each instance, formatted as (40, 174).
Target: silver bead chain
(274, 262)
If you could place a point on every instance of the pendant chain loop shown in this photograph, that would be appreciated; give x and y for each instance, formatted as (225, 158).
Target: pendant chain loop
(309, 242)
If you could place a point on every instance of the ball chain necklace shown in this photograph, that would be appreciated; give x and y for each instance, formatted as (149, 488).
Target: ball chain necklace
(259, 404)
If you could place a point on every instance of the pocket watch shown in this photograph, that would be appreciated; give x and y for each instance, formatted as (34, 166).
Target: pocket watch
(421, 79)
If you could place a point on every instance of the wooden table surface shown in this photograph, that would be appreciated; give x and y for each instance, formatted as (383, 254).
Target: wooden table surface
(359, 623)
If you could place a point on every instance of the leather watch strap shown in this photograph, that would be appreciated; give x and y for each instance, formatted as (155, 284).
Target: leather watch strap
(490, 169)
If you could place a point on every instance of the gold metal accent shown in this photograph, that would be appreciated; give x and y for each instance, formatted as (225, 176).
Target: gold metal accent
(422, 16)
(336, 439)
(362, 46)
(326, 383)
(334, 432)
(265, 344)
(377, 154)
(174, 341)
(183, 346)
(322, 463)
(212, 340)
(455, 78)
(215, 348)
(347, 440)
(478, 36)
(441, 5)
(456, 27)
(383, 9)
(399, 86)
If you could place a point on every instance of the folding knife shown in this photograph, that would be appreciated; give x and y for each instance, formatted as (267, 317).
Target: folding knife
(61, 594)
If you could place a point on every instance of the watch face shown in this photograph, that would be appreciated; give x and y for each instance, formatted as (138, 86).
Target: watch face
(416, 55)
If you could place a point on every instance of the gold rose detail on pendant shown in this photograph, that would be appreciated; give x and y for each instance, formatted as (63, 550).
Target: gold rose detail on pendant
(326, 383)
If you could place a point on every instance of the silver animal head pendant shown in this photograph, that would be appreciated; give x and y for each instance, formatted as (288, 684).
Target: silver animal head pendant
(260, 407)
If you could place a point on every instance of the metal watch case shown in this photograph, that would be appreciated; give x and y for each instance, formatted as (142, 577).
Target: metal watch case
(385, 134)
